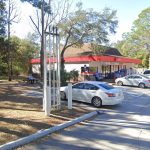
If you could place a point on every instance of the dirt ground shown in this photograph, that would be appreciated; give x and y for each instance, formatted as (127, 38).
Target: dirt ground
(22, 115)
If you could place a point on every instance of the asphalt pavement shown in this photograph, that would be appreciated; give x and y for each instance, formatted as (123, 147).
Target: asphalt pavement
(122, 127)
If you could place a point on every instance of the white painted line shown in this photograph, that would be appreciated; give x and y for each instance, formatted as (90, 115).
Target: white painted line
(42, 133)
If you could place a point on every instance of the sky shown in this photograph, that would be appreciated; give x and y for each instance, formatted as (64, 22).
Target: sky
(127, 12)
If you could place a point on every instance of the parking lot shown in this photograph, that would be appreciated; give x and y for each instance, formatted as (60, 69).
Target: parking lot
(124, 126)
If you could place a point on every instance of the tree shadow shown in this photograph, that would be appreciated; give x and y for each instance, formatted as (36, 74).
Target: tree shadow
(120, 127)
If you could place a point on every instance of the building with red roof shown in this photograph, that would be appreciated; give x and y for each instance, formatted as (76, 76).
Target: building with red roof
(107, 61)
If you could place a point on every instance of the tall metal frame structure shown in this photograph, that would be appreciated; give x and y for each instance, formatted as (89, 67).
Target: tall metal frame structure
(51, 88)
(52, 70)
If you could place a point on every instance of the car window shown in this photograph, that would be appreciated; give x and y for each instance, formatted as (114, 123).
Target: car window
(78, 86)
(147, 72)
(129, 77)
(90, 87)
(106, 86)
(137, 77)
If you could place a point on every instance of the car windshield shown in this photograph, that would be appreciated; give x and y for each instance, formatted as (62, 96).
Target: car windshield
(106, 86)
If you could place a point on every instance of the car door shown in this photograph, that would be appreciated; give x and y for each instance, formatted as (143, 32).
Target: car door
(77, 91)
(136, 80)
(128, 80)
(88, 92)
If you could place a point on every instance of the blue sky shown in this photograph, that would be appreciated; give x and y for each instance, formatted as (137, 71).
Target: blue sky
(127, 12)
(127, 9)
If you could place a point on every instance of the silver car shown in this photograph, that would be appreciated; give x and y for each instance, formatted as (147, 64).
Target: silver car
(94, 92)
(134, 80)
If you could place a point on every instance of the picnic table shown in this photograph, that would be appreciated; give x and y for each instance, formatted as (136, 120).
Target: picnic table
(31, 79)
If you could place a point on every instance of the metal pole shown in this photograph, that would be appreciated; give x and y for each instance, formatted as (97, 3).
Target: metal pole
(54, 75)
(50, 86)
(47, 113)
(58, 69)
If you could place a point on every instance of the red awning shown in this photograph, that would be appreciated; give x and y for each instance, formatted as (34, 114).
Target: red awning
(93, 58)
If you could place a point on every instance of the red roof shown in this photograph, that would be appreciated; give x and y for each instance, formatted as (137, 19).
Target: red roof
(93, 58)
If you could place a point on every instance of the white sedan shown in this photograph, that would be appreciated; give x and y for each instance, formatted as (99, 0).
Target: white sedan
(134, 80)
(94, 92)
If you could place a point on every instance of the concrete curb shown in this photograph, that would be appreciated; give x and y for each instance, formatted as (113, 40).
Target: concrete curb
(42, 133)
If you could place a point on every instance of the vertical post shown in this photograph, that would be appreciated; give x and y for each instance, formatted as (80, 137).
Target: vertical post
(46, 95)
(50, 67)
(58, 69)
(42, 55)
(48, 101)
(69, 96)
(54, 69)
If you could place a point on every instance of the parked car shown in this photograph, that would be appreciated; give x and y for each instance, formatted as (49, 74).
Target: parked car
(134, 80)
(95, 92)
(147, 73)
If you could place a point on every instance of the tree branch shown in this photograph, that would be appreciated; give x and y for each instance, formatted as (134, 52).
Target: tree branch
(35, 26)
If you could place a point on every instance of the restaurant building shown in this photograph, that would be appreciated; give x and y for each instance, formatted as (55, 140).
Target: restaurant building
(109, 62)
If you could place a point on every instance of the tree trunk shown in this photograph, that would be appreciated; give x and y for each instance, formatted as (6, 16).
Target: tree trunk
(42, 62)
(62, 59)
(42, 43)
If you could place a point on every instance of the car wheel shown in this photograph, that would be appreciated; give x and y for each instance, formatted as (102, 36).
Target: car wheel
(141, 85)
(96, 102)
(62, 95)
(120, 83)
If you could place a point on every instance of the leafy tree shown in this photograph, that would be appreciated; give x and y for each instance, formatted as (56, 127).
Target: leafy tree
(8, 48)
(46, 17)
(22, 50)
(87, 26)
(25, 52)
(2, 18)
(136, 43)
(77, 27)
(8, 16)
(74, 74)
(3, 65)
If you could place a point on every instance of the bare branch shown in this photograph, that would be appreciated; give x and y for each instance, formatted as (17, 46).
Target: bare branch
(74, 43)
(14, 17)
(47, 22)
(37, 28)
(38, 21)
(66, 42)
(65, 11)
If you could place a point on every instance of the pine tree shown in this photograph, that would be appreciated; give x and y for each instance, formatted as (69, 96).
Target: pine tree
(2, 18)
